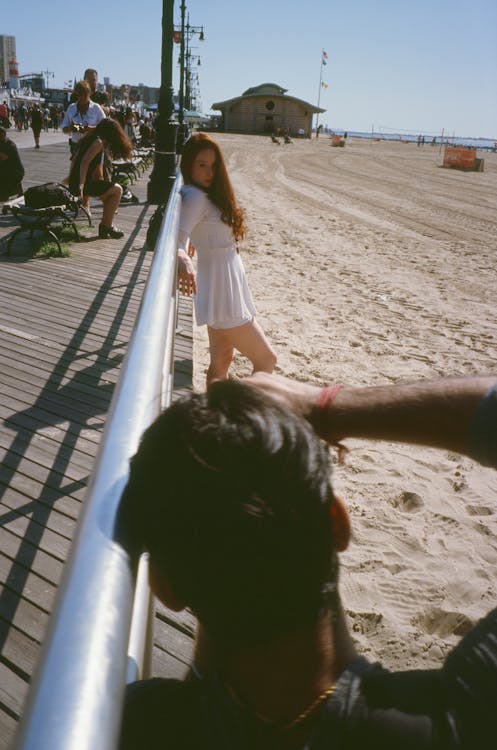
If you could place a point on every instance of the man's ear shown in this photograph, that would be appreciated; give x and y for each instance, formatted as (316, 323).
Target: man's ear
(341, 527)
(163, 590)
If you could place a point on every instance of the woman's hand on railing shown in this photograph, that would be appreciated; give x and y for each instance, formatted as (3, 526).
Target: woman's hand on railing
(187, 282)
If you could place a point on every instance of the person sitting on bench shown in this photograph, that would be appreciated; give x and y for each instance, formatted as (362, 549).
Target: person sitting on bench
(11, 168)
(86, 178)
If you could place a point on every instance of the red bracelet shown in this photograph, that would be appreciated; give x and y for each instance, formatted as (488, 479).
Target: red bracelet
(319, 420)
(327, 396)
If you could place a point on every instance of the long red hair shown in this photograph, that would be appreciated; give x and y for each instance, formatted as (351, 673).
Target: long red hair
(220, 192)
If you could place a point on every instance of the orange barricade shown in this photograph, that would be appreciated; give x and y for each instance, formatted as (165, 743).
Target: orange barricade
(459, 157)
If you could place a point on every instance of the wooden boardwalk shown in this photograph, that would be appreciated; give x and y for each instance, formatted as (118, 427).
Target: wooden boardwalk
(65, 324)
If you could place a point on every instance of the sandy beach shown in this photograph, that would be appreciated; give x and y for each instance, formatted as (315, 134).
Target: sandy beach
(372, 264)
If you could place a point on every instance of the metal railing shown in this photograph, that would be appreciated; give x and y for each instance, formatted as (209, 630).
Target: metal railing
(75, 700)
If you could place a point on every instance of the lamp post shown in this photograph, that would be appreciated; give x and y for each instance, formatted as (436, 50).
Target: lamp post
(185, 59)
(183, 129)
(191, 89)
(164, 172)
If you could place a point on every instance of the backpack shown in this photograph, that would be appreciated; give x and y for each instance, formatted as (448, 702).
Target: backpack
(49, 194)
(155, 225)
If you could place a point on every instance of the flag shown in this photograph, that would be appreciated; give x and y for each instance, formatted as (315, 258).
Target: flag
(177, 37)
(324, 85)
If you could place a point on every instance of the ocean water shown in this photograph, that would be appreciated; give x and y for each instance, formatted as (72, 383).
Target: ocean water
(481, 143)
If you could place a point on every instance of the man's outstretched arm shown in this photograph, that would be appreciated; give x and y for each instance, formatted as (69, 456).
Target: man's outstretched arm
(447, 413)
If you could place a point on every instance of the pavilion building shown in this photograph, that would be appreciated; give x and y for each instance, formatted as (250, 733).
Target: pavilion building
(267, 109)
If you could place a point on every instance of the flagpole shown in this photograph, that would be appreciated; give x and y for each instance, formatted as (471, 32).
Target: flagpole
(319, 92)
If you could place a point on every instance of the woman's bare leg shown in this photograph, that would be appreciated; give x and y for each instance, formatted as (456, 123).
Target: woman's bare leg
(221, 355)
(248, 339)
(110, 199)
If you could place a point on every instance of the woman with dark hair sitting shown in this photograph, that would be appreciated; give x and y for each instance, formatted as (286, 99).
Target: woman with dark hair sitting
(107, 141)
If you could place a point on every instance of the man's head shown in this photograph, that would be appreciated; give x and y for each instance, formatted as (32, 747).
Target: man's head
(91, 76)
(231, 496)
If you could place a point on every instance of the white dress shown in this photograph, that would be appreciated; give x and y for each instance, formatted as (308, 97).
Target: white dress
(223, 298)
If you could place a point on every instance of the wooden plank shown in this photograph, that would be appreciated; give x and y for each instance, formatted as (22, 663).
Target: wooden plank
(19, 650)
(12, 691)
(7, 728)
(16, 502)
(173, 641)
(56, 351)
(29, 529)
(48, 437)
(80, 386)
(27, 394)
(35, 481)
(167, 665)
(27, 618)
(33, 588)
(24, 492)
(48, 440)
(30, 557)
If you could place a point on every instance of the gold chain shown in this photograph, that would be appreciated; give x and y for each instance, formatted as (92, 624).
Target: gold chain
(298, 719)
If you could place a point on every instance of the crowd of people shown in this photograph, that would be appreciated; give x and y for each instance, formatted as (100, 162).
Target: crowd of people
(137, 125)
(20, 116)
(98, 133)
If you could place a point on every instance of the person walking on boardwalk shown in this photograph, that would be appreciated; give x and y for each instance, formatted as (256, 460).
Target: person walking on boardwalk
(36, 118)
(87, 176)
(212, 223)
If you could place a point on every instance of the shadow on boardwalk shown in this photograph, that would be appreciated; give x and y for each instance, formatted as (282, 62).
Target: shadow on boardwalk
(69, 399)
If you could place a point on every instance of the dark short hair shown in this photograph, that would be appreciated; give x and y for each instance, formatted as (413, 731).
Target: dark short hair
(230, 494)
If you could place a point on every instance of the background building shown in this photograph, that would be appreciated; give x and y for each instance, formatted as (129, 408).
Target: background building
(33, 81)
(7, 55)
(267, 109)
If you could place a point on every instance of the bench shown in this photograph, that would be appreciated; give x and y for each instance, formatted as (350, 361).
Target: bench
(132, 168)
(44, 220)
(127, 171)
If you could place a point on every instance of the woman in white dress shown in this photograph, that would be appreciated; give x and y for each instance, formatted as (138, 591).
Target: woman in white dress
(212, 223)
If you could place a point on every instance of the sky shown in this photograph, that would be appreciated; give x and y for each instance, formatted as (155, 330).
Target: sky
(419, 66)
